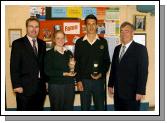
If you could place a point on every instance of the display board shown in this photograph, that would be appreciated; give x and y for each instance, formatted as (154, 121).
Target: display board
(71, 21)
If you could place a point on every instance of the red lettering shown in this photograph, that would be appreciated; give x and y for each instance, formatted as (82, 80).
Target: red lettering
(69, 28)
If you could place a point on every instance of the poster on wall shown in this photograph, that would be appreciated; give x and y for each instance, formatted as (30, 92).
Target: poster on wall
(112, 14)
(58, 12)
(100, 12)
(88, 10)
(112, 41)
(38, 12)
(74, 12)
(101, 28)
(112, 27)
(71, 27)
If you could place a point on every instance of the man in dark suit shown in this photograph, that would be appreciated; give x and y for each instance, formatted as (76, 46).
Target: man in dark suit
(26, 67)
(129, 71)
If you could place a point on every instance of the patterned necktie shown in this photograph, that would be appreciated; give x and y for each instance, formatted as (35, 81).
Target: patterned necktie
(34, 46)
(122, 52)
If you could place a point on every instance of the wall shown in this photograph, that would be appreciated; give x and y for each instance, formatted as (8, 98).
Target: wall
(15, 17)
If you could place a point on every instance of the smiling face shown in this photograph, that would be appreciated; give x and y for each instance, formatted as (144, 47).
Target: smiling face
(59, 39)
(126, 34)
(32, 29)
(91, 26)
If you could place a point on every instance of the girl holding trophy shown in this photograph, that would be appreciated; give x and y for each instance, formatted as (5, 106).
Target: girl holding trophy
(59, 67)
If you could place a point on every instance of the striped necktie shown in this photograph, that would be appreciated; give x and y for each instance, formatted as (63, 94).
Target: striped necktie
(122, 53)
(34, 46)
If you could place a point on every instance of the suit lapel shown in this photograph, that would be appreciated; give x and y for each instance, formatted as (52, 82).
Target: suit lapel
(117, 56)
(39, 48)
(28, 46)
(130, 49)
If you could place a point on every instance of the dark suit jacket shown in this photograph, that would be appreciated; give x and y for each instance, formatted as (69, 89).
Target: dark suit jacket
(25, 66)
(129, 76)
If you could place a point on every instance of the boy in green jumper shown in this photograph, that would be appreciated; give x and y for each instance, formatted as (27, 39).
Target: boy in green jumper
(92, 64)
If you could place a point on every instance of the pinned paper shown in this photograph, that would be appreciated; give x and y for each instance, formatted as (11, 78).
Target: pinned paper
(72, 28)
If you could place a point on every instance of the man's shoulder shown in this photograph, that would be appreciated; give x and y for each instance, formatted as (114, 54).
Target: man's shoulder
(118, 47)
(41, 41)
(138, 46)
(18, 41)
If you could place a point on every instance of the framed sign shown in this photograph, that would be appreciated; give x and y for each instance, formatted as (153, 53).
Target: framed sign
(13, 35)
(140, 38)
(140, 23)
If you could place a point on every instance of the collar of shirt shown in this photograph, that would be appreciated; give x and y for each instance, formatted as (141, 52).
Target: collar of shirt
(55, 49)
(86, 38)
(31, 42)
(127, 46)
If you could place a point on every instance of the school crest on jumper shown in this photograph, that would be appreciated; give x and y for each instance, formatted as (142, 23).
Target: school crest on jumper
(101, 47)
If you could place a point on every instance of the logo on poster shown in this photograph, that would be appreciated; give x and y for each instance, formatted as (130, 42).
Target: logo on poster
(72, 28)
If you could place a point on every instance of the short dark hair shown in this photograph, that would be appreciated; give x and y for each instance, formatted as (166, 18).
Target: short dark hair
(91, 16)
(127, 24)
(31, 19)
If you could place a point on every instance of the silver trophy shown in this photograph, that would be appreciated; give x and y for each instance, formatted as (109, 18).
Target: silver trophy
(95, 68)
(72, 64)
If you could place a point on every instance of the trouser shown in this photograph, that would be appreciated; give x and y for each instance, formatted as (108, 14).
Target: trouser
(95, 89)
(61, 96)
(33, 98)
(126, 104)
(34, 102)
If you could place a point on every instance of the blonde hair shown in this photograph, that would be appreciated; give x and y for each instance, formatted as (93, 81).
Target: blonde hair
(55, 34)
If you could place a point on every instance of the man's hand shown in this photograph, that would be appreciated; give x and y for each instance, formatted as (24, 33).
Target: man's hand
(71, 74)
(80, 86)
(18, 90)
(97, 76)
(139, 97)
(110, 91)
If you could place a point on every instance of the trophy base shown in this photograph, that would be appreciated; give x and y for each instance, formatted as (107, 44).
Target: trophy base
(95, 74)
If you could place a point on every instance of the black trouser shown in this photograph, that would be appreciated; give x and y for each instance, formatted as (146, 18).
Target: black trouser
(34, 102)
(126, 104)
(32, 99)
(61, 96)
(95, 89)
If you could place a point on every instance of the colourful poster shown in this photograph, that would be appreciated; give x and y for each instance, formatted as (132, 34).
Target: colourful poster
(101, 13)
(112, 14)
(38, 11)
(88, 10)
(74, 12)
(71, 28)
(112, 27)
(112, 41)
(58, 12)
